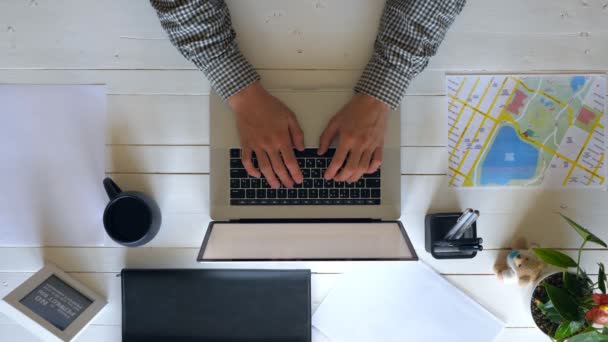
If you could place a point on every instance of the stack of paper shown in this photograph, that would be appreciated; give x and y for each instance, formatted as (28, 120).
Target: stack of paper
(407, 301)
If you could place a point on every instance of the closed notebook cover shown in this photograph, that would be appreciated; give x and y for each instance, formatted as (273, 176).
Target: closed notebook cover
(216, 305)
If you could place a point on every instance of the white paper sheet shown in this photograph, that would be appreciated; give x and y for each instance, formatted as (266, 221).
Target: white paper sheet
(401, 302)
(52, 160)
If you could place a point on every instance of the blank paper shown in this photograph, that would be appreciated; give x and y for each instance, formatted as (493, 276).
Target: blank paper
(52, 160)
(407, 301)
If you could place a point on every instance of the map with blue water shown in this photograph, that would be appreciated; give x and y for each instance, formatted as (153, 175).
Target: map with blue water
(527, 130)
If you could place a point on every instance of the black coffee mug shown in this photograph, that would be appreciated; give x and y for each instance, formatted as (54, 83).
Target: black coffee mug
(131, 218)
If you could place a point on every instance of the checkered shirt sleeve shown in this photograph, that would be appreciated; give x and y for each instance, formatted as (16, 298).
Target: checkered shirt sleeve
(409, 35)
(202, 31)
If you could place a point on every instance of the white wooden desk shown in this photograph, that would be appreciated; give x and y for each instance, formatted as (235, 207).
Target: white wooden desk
(158, 134)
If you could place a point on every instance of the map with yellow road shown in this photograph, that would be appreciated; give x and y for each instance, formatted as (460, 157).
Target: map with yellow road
(527, 130)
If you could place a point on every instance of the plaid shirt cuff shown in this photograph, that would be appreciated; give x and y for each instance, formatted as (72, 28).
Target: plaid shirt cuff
(383, 82)
(229, 73)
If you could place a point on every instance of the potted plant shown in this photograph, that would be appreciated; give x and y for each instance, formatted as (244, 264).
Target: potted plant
(568, 305)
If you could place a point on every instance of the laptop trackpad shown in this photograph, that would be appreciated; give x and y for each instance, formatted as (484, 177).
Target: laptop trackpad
(306, 241)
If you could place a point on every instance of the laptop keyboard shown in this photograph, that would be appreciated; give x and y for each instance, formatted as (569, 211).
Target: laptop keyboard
(314, 190)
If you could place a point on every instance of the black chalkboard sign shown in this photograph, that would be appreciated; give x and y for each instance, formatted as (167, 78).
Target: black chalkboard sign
(56, 302)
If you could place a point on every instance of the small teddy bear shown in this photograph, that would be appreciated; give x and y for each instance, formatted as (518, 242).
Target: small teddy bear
(519, 264)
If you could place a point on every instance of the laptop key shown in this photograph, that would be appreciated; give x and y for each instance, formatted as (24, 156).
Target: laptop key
(265, 184)
(261, 193)
(235, 184)
(238, 173)
(306, 173)
(339, 184)
(360, 183)
(245, 183)
(235, 153)
(375, 193)
(328, 184)
(316, 202)
(365, 193)
(315, 173)
(318, 183)
(320, 163)
(310, 163)
(237, 193)
(256, 183)
(301, 163)
(282, 193)
(313, 193)
(334, 193)
(292, 193)
(308, 183)
(236, 164)
(372, 183)
(354, 193)
(302, 193)
(271, 193)
(323, 193)
(349, 185)
(343, 193)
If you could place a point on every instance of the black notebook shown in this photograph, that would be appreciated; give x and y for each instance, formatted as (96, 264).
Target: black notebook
(216, 305)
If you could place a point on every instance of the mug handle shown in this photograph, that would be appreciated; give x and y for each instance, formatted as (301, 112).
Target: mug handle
(111, 188)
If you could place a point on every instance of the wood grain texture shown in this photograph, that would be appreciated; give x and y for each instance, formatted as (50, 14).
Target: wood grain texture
(301, 35)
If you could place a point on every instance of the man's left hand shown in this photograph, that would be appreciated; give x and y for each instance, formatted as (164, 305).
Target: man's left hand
(360, 127)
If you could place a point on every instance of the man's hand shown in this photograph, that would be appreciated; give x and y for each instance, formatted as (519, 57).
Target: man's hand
(360, 126)
(268, 128)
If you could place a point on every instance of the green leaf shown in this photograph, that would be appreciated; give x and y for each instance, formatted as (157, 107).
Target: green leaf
(565, 304)
(555, 258)
(601, 278)
(573, 284)
(550, 312)
(584, 233)
(605, 330)
(592, 336)
(567, 329)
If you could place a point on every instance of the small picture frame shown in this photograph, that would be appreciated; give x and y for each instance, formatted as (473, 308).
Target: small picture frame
(52, 305)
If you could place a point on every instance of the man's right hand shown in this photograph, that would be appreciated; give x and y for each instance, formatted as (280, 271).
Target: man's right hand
(270, 130)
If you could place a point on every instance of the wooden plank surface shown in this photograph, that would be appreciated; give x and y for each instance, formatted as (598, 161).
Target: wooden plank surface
(158, 124)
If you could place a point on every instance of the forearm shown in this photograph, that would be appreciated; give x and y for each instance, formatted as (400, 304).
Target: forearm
(202, 31)
(409, 35)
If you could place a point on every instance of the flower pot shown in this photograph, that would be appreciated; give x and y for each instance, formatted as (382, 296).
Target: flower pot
(543, 324)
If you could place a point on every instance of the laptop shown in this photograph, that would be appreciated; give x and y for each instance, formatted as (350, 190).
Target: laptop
(316, 220)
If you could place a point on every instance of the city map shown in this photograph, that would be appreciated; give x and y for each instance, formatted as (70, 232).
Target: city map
(526, 130)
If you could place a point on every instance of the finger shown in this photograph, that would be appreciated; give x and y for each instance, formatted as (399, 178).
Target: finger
(292, 165)
(363, 166)
(376, 160)
(337, 161)
(327, 137)
(248, 164)
(279, 169)
(297, 136)
(354, 156)
(266, 168)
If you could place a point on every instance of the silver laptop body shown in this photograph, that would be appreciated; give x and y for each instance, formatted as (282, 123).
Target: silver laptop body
(313, 109)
